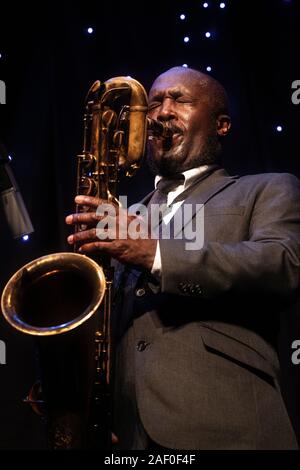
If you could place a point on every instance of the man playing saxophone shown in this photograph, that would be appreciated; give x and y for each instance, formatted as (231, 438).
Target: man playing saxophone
(196, 361)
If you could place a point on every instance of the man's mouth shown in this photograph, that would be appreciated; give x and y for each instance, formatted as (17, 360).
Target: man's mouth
(172, 141)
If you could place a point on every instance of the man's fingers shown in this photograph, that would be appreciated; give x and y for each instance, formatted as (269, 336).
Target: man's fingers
(95, 202)
(84, 236)
(89, 201)
(97, 246)
(88, 218)
(82, 218)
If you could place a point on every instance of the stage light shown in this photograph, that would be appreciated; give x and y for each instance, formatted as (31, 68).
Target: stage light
(182, 17)
(279, 128)
(10, 158)
(205, 5)
(90, 30)
(0, 56)
(25, 238)
(222, 5)
(185, 65)
(208, 68)
(186, 39)
(207, 34)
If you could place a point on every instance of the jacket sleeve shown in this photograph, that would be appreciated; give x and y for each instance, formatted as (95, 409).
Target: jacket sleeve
(268, 262)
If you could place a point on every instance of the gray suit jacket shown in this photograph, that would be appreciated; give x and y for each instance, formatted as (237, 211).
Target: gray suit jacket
(197, 354)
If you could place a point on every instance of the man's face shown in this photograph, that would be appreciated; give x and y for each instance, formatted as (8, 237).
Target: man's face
(177, 99)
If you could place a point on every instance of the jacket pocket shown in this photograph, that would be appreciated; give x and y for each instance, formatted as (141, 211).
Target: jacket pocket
(223, 210)
(235, 351)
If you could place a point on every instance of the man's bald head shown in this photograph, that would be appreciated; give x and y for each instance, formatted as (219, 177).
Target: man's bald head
(210, 90)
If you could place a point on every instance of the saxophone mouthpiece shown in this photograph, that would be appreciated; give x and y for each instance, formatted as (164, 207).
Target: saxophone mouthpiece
(158, 129)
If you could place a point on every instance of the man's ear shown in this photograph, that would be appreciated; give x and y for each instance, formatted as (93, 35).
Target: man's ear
(223, 125)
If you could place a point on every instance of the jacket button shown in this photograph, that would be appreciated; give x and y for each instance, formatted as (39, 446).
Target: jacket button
(198, 289)
(141, 346)
(183, 287)
(140, 292)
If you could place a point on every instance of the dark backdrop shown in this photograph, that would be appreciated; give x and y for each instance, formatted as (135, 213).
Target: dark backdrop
(48, 61)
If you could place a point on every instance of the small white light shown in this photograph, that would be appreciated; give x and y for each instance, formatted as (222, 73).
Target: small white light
(182, 17)
(208, 68)
(186, 39)
(279, 128)
(0, 56)
(207, 34)
(222, 5)
(25, 238)
(205, 5)
(90, 30)
(185, 65)
(9, 157)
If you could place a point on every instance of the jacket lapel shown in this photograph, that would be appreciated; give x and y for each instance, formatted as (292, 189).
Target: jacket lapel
(204, 188)
(200, 192)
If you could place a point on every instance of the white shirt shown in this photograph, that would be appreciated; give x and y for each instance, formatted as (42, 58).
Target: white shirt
(189, 177)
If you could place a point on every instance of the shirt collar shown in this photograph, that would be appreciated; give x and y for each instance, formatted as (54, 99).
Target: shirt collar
(189, 175)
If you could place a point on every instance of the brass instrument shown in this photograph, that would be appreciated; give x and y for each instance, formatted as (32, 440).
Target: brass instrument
(56, 294)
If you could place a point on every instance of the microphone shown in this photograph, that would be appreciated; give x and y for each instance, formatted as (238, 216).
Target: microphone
(11, 199)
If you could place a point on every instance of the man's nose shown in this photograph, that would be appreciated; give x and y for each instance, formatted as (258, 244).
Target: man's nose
(166, 110)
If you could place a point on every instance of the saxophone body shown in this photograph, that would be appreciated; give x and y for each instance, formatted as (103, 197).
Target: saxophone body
(65, 299)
